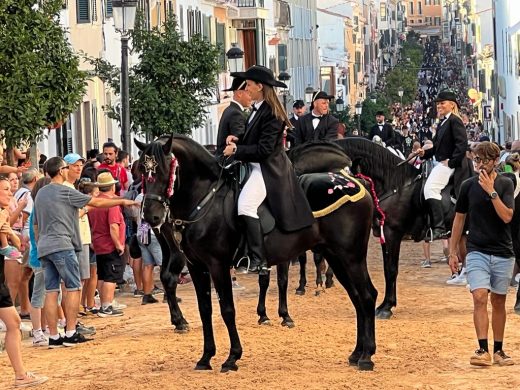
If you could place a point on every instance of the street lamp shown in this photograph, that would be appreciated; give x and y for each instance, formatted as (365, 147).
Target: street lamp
(400, 92)
(340, 104)
(359, 109)
(235, 57)
(309, 91)
(373, 98)
(284, 77)
(124, 20)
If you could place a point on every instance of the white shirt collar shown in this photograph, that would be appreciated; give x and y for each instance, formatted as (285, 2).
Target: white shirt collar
(258, 104)
(238, 104)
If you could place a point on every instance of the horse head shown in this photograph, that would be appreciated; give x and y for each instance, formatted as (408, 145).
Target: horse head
(157, 166)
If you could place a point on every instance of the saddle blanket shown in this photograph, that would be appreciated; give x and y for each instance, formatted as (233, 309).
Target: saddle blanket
(326, 192)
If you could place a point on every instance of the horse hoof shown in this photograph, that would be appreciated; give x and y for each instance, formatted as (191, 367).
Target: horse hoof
(353, 359)
(365, 365)
(203, 367)
(182, 330)
(226, 367)
(383, 314)
(265, 322)
(300, 292)
(517, 308)
(329, 285)
(289, 324)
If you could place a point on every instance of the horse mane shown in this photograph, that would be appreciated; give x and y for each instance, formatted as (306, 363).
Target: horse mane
(377, 162)
(198, 152)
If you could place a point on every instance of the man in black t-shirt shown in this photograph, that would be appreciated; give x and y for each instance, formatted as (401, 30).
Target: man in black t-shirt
(488, 200)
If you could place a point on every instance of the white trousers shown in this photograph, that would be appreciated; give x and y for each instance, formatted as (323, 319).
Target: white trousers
(438, 179)
(253, 193)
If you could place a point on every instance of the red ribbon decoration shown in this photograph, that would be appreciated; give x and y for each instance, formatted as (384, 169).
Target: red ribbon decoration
(378, 207)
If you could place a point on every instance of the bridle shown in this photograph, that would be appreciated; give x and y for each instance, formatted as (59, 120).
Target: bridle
(179, 224)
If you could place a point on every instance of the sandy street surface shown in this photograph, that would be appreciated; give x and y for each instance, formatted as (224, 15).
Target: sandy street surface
(426, 345)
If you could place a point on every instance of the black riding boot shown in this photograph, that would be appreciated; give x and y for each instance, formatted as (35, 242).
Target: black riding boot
(436, 220)
(255, 243)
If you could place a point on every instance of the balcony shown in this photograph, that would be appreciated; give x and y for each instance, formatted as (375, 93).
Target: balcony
(248, 9)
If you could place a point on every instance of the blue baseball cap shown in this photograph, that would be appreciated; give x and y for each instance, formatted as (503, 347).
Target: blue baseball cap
(73, 158)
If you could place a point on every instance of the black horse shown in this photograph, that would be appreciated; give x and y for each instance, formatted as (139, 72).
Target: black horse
(199, 203)
(398, 188)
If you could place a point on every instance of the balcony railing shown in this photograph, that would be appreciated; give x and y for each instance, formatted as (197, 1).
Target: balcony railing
(250, 3)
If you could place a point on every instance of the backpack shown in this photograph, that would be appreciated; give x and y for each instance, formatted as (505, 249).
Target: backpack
(132, 213)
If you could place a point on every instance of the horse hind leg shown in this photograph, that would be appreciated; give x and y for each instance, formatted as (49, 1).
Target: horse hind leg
(353, 275)
(320, 266)
(517, 303)
(282, 277)
(329, 275)
(263, 283)
(302, 259)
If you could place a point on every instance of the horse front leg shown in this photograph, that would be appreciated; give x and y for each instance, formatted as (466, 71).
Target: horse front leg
(302, 259)
(282, 277)
(263, 283)
(391, 250)
(222, 282)
(170, 270)
(202, 282)
(329, 275)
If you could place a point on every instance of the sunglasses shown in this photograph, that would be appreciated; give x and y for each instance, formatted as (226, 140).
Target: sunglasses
(478, 160)
(65, 167)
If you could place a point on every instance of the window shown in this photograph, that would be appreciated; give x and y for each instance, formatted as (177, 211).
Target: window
(411, 7)
(282, 57)
(94, 10)
(437, 21)
(382, 12)
(221, 41)
(419, 21)
(83, 11)
(206, 27)
(419, 6)
(194, 22)
(428, 20)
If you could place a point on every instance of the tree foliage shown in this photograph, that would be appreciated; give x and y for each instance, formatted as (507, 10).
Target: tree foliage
(40, 80)
(172, 83)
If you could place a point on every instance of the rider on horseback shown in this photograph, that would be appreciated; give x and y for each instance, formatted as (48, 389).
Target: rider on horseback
(272, 175)
(449, 149)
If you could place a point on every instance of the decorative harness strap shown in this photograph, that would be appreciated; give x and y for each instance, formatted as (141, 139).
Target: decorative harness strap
(378, 207)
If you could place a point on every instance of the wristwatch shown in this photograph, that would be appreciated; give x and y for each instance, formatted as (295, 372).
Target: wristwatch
(493, 195)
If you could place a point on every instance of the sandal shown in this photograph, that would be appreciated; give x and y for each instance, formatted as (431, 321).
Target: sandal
(185, 279)
(29, 380)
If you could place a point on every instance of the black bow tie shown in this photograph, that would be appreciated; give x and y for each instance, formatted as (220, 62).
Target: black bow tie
(317, 116)
(254, 108)
(442, 118)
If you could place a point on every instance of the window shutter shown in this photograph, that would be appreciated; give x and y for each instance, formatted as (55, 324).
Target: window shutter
(83, 11)
(108, 9)
(94, 10)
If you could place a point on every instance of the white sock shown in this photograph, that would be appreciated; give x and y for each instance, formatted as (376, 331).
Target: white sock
(55, 337)
(37, 332)
(70, 333)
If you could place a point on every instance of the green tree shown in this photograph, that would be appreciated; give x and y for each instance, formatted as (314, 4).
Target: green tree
(40, 80)
(172, 83)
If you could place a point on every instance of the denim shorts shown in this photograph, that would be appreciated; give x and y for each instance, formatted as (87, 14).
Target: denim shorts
(38, 294)
(60, 266)
(490, 272)
(151, 253)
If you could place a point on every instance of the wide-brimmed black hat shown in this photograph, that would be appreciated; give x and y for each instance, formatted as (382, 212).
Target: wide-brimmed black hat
(380, 113)
(298, 104)
(447, 96)
(260, 74)
(238, 84)
(321, 95)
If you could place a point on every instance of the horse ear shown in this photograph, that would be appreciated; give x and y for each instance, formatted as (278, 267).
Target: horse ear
(140, 145)
(167, 147)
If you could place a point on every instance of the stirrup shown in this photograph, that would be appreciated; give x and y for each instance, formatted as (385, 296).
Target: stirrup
(242, 259)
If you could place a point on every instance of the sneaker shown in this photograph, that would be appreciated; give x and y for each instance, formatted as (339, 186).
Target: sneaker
(148, 298)
(55, 343)
(91, 310)
(480, 358)
(85, 330)
(502, 359)
(109, 312)
(138, 293)
(74, 340)
(29, 380)
(11, 253)
(118, 306)
(40, 341)
(156, 290)
(426, 263)
(458, 279)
